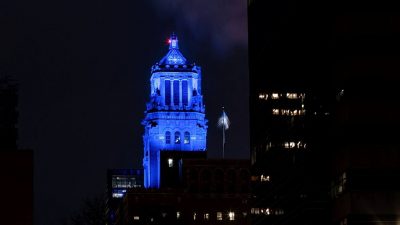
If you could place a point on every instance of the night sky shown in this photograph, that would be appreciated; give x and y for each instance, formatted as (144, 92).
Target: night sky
(83, 69)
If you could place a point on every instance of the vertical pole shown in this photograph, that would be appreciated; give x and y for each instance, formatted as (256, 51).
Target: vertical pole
(223, 133)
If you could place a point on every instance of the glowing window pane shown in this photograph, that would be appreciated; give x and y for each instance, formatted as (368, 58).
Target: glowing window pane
(177, 137)
(219, 215)
(206, 216)
(170, 162)
(275, 96)
(186, 139)
(136, 218)
(291, 95)
(231, 215)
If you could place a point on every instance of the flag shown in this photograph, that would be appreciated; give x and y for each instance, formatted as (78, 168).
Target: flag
(223, 121)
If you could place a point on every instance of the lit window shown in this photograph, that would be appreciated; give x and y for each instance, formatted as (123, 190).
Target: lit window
(263, 96)
(291, 95)
(177, 137)
(339, 185)
(170, 162)
(206, 216)
(275, 111)
(178, 215)
(194, 216)
(117, 195)
(231, 215)
(267, 211)
(286, 145)
(186, 139)
(136, 218)
(275, 96)
(219, 215)
(255, 211)
(264, 178)
(167, 137)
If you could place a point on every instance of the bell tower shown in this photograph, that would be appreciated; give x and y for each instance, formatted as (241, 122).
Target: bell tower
(175, 114)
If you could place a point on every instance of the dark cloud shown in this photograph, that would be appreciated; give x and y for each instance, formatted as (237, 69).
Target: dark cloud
(223, 22)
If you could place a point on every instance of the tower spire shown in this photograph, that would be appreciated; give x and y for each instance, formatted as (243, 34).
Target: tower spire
(173, 41)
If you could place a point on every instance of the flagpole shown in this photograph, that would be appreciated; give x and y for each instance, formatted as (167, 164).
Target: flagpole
(223, 122)
(223, 135)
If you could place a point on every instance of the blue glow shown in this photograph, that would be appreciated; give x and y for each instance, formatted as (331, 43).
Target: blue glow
(175, 111)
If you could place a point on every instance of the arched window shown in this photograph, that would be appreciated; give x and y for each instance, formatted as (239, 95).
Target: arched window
(186, 138)
(177, 137)
(167, 137)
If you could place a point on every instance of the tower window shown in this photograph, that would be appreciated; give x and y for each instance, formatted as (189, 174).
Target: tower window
(167, 92)
(219, 215)
(167, 137)
(170, 162)
(185, 92)
(186, 139)
(231, 215)
(177, 137)
(176, 92)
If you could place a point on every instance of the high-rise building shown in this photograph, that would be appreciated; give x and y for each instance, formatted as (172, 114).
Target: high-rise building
(366, 159)
(343, 56)
(290, 113)
(175, 115)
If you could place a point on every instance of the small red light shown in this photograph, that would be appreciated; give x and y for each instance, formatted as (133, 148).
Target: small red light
(169, 41)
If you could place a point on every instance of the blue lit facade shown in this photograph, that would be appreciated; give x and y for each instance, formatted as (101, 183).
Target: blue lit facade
(175, 115)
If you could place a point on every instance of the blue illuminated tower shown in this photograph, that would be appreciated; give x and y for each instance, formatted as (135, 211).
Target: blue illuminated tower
(175, 115)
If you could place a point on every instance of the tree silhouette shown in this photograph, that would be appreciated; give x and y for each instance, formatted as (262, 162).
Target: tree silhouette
(91, 212)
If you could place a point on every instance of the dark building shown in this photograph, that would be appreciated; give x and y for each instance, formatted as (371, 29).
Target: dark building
(171, 163)
(118, 182)
(289, 115)
(16, 166)
(8, 114)
(210, 192)
(343, 56)
(366, 163)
